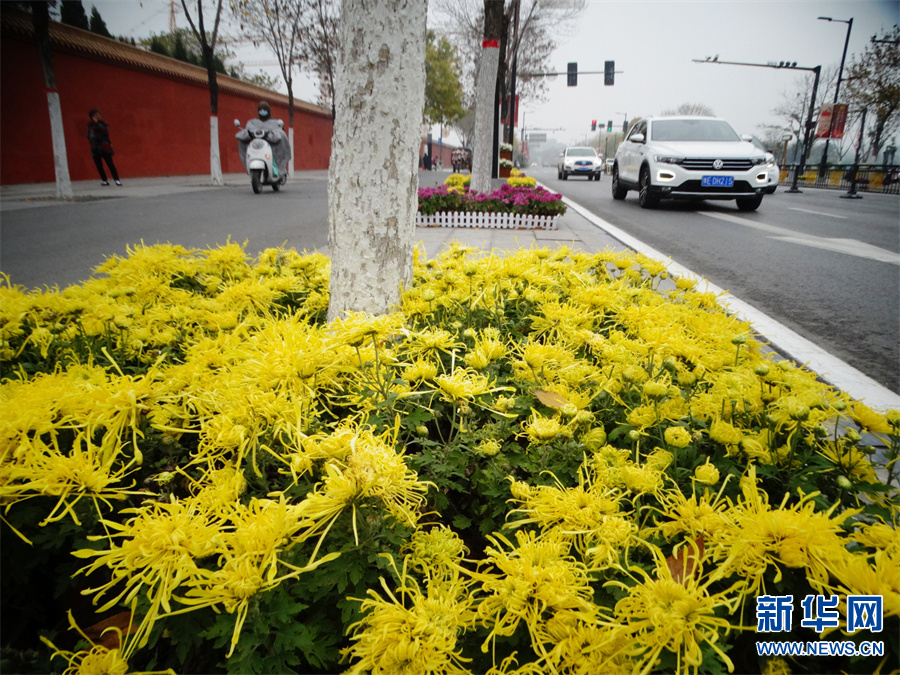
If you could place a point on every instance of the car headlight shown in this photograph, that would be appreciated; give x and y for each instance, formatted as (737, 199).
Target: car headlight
(668, 159)
(758, 160)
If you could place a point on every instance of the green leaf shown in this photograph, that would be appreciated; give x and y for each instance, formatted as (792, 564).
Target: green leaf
(461, 522)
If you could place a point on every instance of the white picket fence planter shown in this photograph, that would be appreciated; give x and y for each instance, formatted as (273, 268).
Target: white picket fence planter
(506, 221)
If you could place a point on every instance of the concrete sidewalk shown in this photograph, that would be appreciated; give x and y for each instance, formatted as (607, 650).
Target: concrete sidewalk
(32, 195)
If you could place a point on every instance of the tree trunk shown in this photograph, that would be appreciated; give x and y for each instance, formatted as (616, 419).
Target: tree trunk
(486, 87)
(372, 202)
(215, 160)
(290, 89)
(485, 104)
(41, 22)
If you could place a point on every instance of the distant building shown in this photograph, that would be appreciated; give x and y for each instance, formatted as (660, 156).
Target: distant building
(157, 108)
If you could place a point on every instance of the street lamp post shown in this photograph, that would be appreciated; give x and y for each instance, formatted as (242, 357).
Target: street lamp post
(837, 89)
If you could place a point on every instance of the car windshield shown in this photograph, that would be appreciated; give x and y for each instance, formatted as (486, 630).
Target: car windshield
(693, 130)
(581, 152)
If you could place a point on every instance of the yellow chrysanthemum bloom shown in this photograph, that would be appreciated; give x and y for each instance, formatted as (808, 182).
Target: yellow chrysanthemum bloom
(723, 432)
(679, 616)
(868, 419)
(372, 469)
(534, 576)
(707, 473)
(412, 631)
(693, 516)
(463, 384)
(488, 447)
(799, 536)
(154, 552)
(677, 437)
(540, 429)
(99, 660)
(437, 549)
(420, 370)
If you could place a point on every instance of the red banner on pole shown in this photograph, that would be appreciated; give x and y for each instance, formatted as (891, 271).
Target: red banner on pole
(832, 120)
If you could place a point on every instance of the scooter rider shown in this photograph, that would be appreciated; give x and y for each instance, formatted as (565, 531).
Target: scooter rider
(281, 147)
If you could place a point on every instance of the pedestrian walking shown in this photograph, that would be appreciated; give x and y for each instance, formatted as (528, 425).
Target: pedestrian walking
(101, 148)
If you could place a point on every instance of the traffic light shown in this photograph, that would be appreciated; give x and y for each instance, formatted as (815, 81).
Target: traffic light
(593, 125)
(609, 73)
(573, 75)
(609, 126)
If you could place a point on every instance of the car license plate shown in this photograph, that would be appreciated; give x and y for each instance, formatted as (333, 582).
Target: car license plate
(717, 181)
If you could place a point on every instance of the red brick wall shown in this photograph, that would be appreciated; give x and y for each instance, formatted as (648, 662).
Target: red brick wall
(159, 125)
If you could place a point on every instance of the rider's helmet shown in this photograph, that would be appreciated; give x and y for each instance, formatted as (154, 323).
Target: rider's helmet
(265, 112)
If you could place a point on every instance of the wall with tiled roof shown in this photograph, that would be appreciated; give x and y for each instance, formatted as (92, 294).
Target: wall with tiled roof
(158, 108)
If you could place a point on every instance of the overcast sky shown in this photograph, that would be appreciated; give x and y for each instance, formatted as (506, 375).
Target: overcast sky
(653, 42)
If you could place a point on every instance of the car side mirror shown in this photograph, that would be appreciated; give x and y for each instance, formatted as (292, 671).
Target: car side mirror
(637, 138)
(747, 137)
(237, 123)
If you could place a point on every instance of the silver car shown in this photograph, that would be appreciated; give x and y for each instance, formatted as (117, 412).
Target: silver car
(580, 161)
(689, 158)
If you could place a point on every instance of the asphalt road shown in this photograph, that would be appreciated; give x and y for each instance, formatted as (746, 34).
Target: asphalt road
(61, 244)
(826, 267)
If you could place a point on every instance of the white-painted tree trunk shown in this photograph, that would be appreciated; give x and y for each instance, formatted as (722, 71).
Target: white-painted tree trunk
(60, 158)
(215, 161)
(485, 102)
(291, 162)
(373, 176)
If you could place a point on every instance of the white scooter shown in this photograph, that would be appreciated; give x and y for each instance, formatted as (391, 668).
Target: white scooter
(260, 161)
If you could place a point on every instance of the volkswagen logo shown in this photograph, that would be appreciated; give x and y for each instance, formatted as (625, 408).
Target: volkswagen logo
(718, 164)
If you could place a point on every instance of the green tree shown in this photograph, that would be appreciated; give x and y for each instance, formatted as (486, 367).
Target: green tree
(72, 13)
(873, 82)
(98, 25)
(443, 89)
(207, 39)
(183, 45)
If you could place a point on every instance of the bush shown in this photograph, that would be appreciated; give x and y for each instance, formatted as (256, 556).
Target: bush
(506, 199)
(551, 461)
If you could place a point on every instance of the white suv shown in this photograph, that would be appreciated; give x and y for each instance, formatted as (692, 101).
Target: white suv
(579, 162)
(689, 158)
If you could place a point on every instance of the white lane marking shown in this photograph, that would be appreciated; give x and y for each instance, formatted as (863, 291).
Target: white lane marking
(817, 213)
(846, 246)
(787, 342)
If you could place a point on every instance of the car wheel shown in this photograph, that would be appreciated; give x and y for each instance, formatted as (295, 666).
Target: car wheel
(618, 192)
(749, 204)
(565, 176)
(646, 199)
(558, 174)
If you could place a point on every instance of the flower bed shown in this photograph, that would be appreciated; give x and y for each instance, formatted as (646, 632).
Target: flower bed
(522, 207)
(541, 463)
